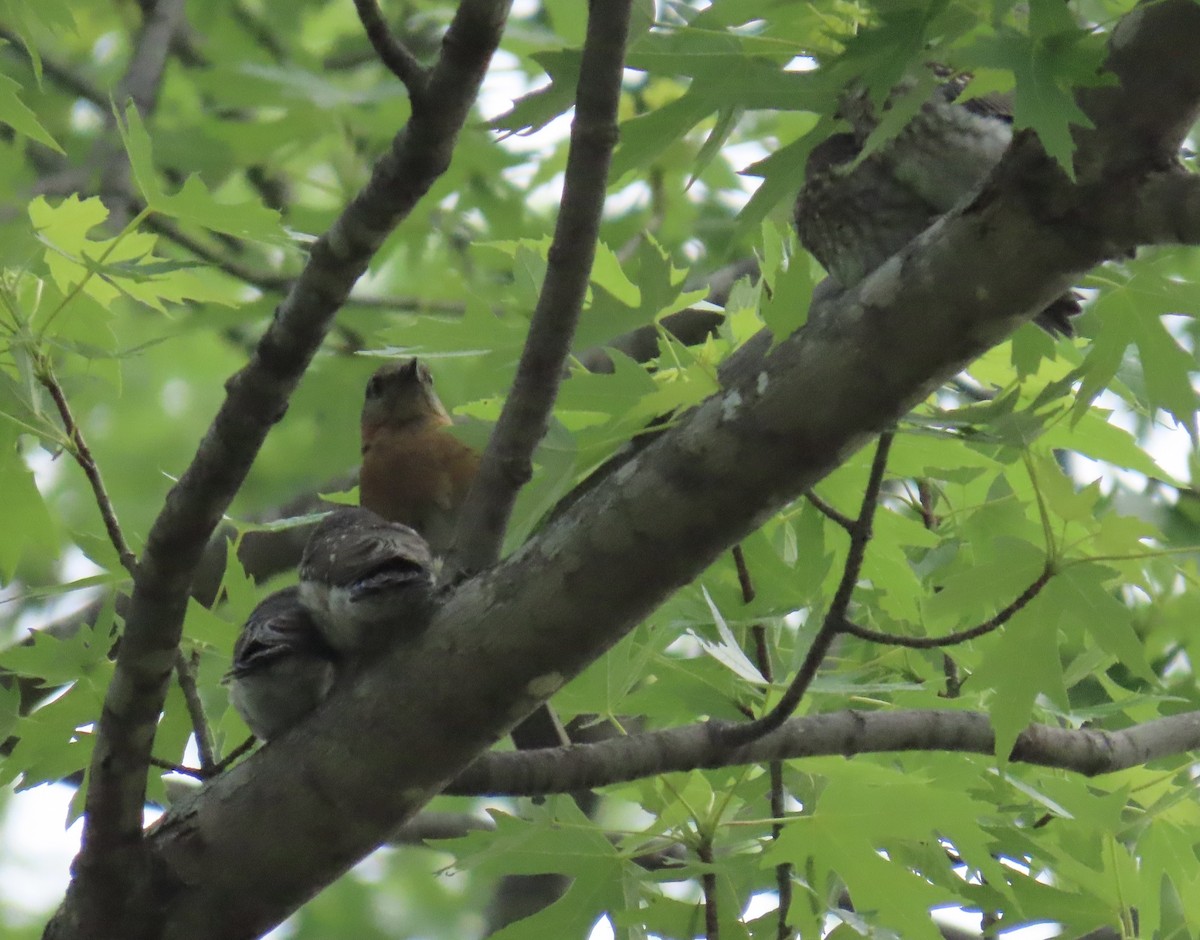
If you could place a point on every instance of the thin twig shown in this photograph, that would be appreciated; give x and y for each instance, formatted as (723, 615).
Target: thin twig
(185, 671)
(745, 582)
(954, 681)
(391, 51)
(508, 461)
(83, 456)
(233, 755)
(708, 881)
(835, 618)
(777, 795)
(828, 511)
(925, 498)
(959, 636)
(178, 768)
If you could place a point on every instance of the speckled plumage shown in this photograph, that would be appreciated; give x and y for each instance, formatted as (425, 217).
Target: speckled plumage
(363, 577)
(282, 666)
(852, 218)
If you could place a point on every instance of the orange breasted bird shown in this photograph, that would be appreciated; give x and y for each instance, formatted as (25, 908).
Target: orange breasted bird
(414, 471)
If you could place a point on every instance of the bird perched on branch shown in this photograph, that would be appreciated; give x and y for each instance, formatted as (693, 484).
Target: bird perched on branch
(362, 577)
(414, 471)
(852, 218)
(282, 665)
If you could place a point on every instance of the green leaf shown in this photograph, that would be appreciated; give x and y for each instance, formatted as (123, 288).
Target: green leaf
(1084, 595)
(1023, 664)
(535, 110)
(57, 661)
(787, 308)
(1166, 366)
(16, 115)
(193, 202)
(28, 526)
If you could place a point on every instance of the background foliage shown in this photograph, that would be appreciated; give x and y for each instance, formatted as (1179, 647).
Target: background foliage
(1074, 454)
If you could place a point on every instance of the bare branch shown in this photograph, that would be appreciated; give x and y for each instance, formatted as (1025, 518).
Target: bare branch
(62, 75)
(959, 636)
(83, 456)
(507, 462)
(777, 794)
(244, 748)
(708, 887)
(829, 512)
(185, 671)
(1086, 751)
(391, 51)
(835, 618)
(161, 20)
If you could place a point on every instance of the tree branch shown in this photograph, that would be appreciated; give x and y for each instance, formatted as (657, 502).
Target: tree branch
(829, 512)
(185, 672)
(777, 794)
(1166, 211)
(83, 456)
(958, 636)
(391, 51)
(835, 618)
(1086, 751)
(508, 460)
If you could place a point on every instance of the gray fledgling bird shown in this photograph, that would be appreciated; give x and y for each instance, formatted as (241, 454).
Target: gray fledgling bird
(361, 577)
(282, 666)
(853, 218)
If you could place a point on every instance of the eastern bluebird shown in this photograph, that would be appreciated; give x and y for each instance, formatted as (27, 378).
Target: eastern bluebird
(362, 575)
(414, 471)
(282, 666)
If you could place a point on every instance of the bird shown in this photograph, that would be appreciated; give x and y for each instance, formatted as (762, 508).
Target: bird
(363, 578)
(282, 665)
(414, 471)
(854, 216)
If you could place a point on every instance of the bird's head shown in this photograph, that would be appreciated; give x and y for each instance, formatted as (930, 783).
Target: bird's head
(400, 394)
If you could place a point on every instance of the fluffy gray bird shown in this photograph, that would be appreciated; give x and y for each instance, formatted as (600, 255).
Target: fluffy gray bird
(362, 576)
(282, 666)
(853, 218)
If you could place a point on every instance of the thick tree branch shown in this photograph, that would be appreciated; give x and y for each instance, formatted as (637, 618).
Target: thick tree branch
(508, 461)
(1166, 211)
(1086, 751)
(110, 863)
